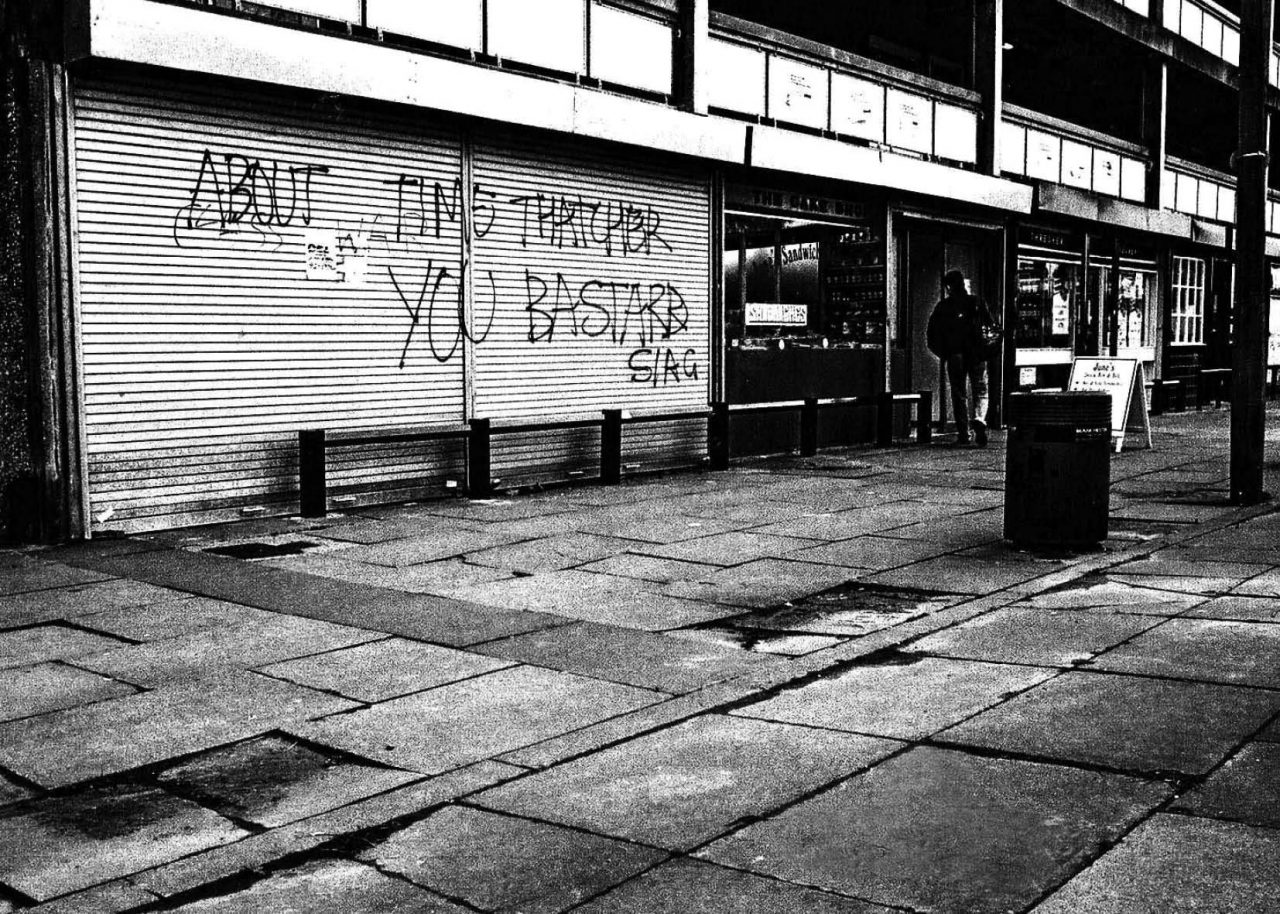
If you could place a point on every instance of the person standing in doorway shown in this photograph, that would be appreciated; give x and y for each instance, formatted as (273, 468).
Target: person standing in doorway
(958, 335)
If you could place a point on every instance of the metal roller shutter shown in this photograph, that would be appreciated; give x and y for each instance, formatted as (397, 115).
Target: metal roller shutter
(248, 266)
(592, 264)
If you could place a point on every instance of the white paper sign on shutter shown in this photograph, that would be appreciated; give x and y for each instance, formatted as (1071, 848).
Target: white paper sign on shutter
(594, 268)
(248, 267)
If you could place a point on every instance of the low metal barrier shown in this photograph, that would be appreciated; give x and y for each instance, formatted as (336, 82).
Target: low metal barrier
(314, 445)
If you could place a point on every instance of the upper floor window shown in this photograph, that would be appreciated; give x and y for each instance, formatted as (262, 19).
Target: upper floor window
(1187, 313)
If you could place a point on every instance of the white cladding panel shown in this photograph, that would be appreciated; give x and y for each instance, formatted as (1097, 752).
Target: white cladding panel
(592, 287)
(248, 267)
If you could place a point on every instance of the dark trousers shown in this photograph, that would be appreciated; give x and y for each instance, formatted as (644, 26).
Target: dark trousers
(962, 377)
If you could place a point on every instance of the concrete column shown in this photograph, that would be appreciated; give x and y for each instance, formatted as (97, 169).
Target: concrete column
(1155, 126)
(691, 58)
(988, 76)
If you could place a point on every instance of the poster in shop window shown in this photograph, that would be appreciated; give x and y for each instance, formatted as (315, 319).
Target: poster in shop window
(1125, 381)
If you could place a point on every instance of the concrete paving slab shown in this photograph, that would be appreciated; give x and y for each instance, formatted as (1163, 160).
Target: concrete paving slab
(727, 548)
(684, 885)
(1093, 592)
(422, 616)
(1123, 722)
(649, 568)
(591, 597)
(326, 885)
(1245, 789)
(65, 747)
(400, 523)
(1175, 563)
(762, 583)
(1272, 732)
(12, 792)
(1178, 865)
(1208, 650)
(687, 784)
(162, 621)
(440, 543)
(629, 657)
(942, 831)
(1240, 609)
(907, 700)
(465, 722)
(956, 532)
(26, 575)
(203, 653)
(64, 602)
(380, 670)
(1044, 637)
(45, 687)
(502, 863)
(859, 521)
(438, 577)
(848, 611)
(552, 553)
(646, 525)
(757, 640)
(1266, 584)
(877, 552)
(272, 781)
(28, 646)
(1177, 584)
(56, 845)
(961, 574)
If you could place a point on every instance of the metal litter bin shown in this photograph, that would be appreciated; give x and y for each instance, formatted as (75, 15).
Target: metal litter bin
(1058, 468)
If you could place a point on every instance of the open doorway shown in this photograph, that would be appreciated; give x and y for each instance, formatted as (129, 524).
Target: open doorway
(926, 252)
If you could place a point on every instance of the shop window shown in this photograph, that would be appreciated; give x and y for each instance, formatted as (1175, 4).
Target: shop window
(1187, 308)
(1137, 300)
(1047, 294)
(798, 283)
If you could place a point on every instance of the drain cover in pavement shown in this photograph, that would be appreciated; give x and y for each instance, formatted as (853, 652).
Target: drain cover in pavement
(263, 550)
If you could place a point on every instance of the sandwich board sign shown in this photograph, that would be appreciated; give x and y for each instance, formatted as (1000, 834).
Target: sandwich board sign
(1125, 380)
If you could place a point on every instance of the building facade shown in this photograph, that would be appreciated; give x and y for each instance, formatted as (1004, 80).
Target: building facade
(228, 222)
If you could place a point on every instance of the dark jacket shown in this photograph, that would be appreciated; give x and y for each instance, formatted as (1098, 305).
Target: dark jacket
(955, 327)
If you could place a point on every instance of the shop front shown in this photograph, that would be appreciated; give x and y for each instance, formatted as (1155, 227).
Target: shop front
(1050, 317)
(804, 290)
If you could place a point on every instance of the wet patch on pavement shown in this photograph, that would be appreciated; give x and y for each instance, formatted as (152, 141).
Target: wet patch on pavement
(259, 550)
(820, 621)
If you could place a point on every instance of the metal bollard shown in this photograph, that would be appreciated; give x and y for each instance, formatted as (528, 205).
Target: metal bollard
(718, 436)
(809, 427)
(924, 417)
(884, 419)
(479, 469)
(313, 496)
(611, 448)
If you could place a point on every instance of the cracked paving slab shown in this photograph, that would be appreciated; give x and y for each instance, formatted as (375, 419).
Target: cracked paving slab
(497, 862)
(33, 690)
(464, 722)
(380, 670)
(1207, 650)
(1178, 865)
(325, 885)
(79, 744)
(53, 846)
(1128, 723)
(1245, 789)
(902, 700)
(272, 782)
(686, 784)
(685, 885)
(944, 831)
(627, 656)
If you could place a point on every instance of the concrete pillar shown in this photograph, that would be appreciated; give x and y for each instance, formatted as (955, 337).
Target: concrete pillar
(988, 76)
(691, 58)
(1155, 126)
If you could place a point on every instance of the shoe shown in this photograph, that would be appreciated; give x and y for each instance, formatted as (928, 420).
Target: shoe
(980, 433)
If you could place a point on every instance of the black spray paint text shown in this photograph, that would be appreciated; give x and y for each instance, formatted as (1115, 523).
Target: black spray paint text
(562, 220)
(247, 194)
(619, 311)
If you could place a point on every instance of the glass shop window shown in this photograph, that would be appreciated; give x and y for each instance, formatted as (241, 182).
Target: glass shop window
(1047, 295)
(1136, 309)
(1186, 314)
(793, 282)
